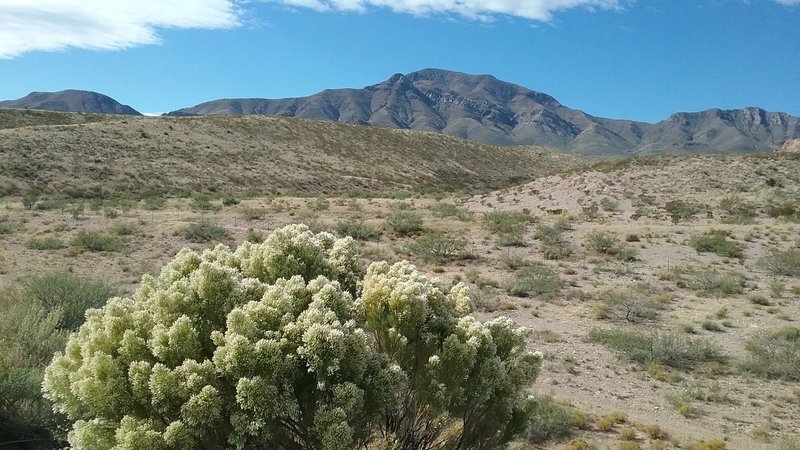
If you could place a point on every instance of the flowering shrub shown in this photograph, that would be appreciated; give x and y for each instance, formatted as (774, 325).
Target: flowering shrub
(291, 344)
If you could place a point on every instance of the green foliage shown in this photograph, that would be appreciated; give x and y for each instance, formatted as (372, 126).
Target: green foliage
(202, 232)
(34, 325)
(670, 349)
(788, 442)
(509, 226)
(45, 243)
(786, 263)
(320, 204)
(534, 281)
(549, 420)
(289, 344)
(29, 200)
(716, 241)
(67, 294)
(252, 235)
(230, 200)
(357, 230)
(708, 281)
(96, 241)
(404, 222)
(444, 210)
(203, 203)
(554, 246)
(775, 354)
(737, 210)
(508, 222)
(124, 228)
(5, 226)
(609, 244)
(681, 211)
(787, 210)
(252, 213)
(513, 261)
(153, 202)
(438, 247)
(633, 304)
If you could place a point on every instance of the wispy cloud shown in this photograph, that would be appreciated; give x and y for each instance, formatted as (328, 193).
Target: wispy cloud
(541, 10)
(48, 25)
(29, 25)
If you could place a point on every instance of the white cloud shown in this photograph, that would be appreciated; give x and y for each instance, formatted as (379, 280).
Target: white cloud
(541, 10)
(29, 25)
(788, 2)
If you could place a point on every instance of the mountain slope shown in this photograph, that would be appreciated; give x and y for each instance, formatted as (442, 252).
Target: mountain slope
(256, 154)
(485, 109)
(71, 101)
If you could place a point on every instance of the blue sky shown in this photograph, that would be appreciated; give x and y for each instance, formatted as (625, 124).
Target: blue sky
(613, 58)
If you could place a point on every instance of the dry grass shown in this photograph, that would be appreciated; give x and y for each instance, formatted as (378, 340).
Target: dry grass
(245, 155)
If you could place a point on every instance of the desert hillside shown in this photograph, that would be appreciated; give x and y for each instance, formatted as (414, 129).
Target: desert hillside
(254, 154)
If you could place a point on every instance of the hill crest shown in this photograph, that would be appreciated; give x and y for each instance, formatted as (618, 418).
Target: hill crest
(71, 100)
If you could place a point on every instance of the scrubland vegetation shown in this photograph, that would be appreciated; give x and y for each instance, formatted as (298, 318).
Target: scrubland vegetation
(663, 294)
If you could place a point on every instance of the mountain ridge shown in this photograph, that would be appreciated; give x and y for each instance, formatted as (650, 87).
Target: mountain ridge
(487, 110)
(71, 100)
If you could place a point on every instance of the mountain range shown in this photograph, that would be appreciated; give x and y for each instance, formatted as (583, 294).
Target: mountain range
(490, 111)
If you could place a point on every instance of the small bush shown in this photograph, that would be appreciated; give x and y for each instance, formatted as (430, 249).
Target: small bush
(513, 261)
(603, 243)
(534, 281)
(788, 210)
(786, 263)
(775, 354)
(230, 201)
(404, 222)
(549, 420)
(505, 222)
(357, 230)
(5, 227)
(68, 294)
(710, 325)
(45, 243)
(320, 204)
(200, 232)
(254, 236)
(712, 444)
(438, 247)
(633, 304)
(203, 203)
(708, 281)
(608, 204)
(788, 442)
(717, 242)
(153, 203)
(609, 244)
(248, 213)
(124, 229)
(95, 241)
(627, 434)
(673, 350)
(654, 431)
(554, 246)
(737, 210)
(577, 444)
(443, 210)
(681, 211)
